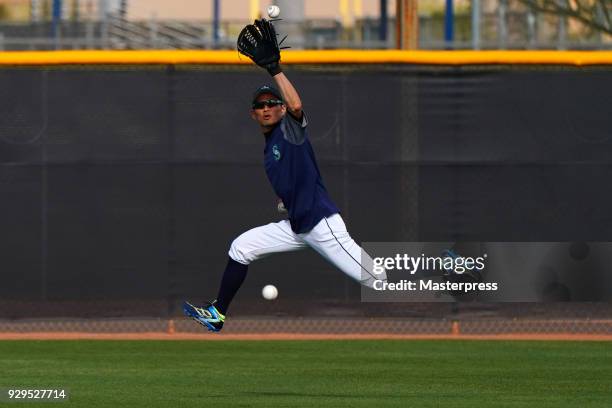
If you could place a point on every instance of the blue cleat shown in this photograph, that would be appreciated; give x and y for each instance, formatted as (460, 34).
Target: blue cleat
(452, 275)
(449, 253)
(207, 315)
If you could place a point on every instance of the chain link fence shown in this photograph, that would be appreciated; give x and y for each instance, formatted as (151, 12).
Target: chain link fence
(342, 326)
(351, 319)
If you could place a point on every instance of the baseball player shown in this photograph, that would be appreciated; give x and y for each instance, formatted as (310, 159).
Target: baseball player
(313, 221)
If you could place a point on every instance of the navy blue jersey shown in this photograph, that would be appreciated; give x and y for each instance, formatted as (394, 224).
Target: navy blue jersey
(292, 169)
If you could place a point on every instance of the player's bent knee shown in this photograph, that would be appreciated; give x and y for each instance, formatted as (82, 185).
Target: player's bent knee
(238, 253)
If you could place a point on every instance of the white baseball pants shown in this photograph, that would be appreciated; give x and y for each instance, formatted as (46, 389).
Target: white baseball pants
(329, 238)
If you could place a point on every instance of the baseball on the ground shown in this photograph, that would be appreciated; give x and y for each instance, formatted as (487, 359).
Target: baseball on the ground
(269, 292)
(273, 11)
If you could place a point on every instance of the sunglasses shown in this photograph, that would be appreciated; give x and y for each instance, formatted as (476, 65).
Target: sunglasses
(269, 103)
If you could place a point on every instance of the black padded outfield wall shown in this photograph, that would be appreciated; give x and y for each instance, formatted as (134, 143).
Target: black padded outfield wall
(122, 187)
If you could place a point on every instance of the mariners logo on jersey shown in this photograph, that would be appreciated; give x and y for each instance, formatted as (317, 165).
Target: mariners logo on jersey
(276, 152)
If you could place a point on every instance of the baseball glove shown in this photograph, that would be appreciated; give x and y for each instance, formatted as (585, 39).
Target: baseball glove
(258, 42)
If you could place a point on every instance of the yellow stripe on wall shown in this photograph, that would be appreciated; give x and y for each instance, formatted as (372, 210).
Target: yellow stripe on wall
(168, 57)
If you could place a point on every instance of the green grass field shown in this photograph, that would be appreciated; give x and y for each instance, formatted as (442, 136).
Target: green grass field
(357, 373)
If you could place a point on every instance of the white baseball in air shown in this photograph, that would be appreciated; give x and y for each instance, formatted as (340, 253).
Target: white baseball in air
(269, 292)
(273, 11)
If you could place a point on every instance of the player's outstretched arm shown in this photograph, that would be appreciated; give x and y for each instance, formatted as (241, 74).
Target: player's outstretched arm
(258, 41)
(290, 95)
